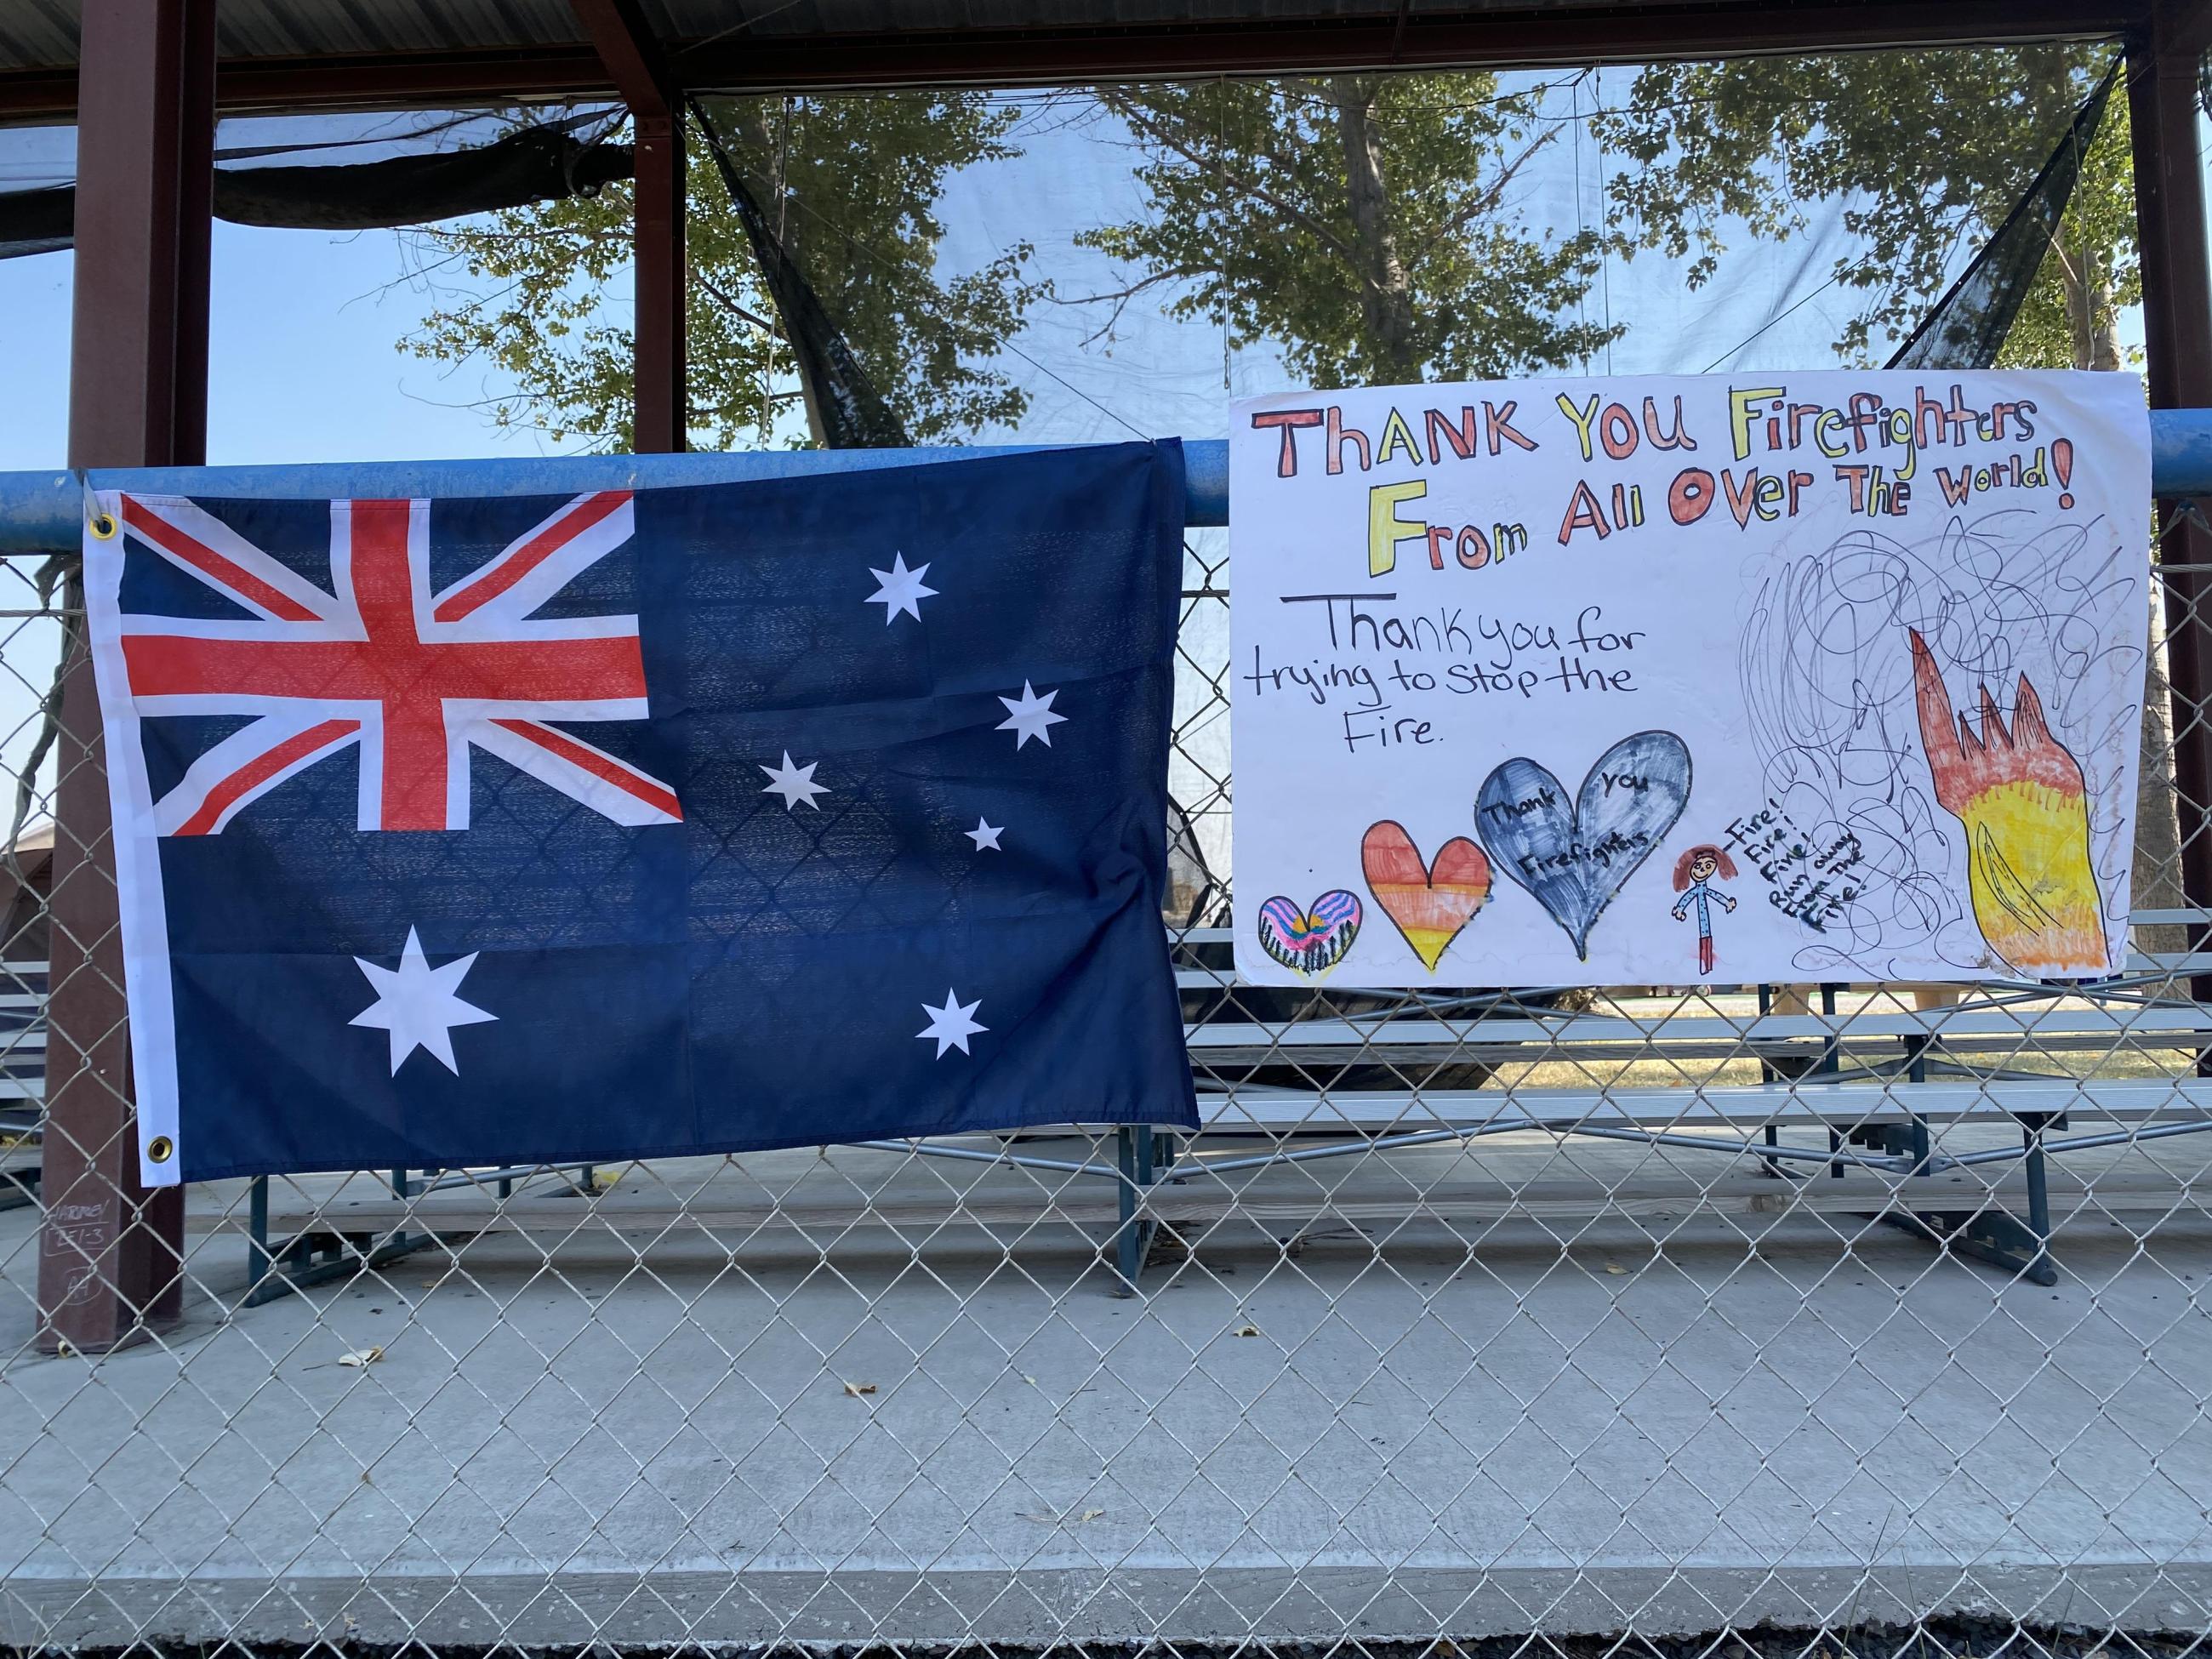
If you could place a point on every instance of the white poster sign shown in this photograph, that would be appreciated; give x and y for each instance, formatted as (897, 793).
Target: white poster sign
(1760, 678)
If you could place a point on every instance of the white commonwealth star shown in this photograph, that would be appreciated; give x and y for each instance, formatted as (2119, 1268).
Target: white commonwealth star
(1030, 716)
(418, 1004)
(900, 589)
(986, 835)
(794, 783)
(951, 1025)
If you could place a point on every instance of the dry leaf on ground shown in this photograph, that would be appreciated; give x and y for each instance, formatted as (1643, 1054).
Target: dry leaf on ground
(856, 1389)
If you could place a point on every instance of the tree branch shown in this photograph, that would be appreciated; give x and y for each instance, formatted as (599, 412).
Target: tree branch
(1484, 203)
(1159, 132)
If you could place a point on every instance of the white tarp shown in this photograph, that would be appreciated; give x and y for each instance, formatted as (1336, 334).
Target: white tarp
(1755, 678)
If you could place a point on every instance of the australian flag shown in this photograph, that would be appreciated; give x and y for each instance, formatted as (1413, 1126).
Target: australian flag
(639, 823)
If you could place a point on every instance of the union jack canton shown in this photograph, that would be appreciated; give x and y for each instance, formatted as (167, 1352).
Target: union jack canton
(414, 677)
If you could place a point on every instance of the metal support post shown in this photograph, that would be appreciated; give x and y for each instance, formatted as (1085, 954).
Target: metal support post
(2162, 69)
(658, 342)
(111, 1257)
(626, 44)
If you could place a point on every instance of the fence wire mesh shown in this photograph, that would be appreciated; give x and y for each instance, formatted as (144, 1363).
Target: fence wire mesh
(1789, 1319)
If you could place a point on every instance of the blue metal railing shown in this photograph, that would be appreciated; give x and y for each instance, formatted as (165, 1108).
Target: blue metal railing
(41, 511)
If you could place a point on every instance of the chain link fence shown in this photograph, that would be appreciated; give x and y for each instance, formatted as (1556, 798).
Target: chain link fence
(1786, 1319)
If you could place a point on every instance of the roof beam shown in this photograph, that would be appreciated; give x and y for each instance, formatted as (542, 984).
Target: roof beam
(1526, 36)
(1490, 39)
(626, 46)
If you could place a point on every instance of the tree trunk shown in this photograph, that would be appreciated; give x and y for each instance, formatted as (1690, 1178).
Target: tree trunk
(1385, 295)
(2091, 315)
(2155, 866)
(760, 158)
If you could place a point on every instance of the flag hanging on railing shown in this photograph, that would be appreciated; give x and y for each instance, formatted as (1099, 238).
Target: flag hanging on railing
(634, 823)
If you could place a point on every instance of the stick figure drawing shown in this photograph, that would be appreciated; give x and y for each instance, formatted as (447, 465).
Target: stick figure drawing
(1693, 874)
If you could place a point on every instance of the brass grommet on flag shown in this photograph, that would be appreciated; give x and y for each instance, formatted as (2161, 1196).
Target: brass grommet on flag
(103, 527)
(161, 1149)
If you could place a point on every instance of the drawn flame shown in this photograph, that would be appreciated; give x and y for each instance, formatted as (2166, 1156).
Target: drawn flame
(2026, 808)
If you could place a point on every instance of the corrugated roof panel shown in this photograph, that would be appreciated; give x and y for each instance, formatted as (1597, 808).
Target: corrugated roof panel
(691, 18)
(301, 28)
(37, 34)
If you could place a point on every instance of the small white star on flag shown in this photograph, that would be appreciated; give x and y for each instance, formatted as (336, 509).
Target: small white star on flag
(1030, 716)
(419, 1004)
(985, 835)
(794, 783)
(900, 589)
(951, 1025)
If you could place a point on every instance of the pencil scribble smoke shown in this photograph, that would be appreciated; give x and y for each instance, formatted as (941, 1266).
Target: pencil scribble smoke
(1828, 676)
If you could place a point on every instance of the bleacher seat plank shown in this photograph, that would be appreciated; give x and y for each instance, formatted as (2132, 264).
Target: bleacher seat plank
(1198, 1202)
(2122, 1099)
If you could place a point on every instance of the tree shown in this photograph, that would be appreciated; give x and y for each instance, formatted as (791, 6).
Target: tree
(1929, 152)
(850, 187)
(1926, 152)
(1363, 224)
(2070, 318)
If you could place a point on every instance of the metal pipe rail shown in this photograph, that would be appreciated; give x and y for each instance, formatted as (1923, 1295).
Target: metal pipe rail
(43, 512)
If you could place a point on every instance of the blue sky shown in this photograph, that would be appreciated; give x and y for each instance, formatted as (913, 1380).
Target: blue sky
(302, 349)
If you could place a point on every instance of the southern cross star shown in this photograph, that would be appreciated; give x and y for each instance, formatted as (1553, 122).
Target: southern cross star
(1030, 716)
(794, 783)
(985, 835)
(419, 1005)
(951, 1025)
(899, 589)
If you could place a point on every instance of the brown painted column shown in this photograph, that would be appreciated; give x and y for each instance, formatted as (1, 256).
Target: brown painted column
(109, 1253)
(624, 40)
(658, 249)
(2162, 70)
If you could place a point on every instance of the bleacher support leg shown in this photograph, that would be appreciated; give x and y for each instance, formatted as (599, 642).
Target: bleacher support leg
(318, 1254)
(1993, 1236)
(1134, 1149)
(257, 1234)
(2041, 1268)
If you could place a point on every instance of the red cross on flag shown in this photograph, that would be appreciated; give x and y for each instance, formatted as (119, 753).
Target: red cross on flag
(414, 676)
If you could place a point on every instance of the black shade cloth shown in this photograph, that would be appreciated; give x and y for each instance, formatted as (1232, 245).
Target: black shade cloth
(849, 412)
(1968, 325)
(543, 163)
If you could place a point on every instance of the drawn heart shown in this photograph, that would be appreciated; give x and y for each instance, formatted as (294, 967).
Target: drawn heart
(1429, 903)
(1574, 856)
(1310, 941)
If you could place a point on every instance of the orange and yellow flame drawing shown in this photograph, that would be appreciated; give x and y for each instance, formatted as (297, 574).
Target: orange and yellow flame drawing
(2021, 795)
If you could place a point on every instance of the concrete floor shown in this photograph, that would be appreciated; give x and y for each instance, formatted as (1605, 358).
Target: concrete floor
(639, 1428)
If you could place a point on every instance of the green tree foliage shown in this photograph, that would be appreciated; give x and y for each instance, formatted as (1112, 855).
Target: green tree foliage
(850, 185)
(2070, 318)
(1927, 152)
(1364, 223)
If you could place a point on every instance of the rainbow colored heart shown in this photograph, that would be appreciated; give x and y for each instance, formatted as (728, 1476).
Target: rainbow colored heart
(1312, 940)
(1430, 903)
